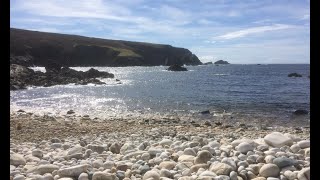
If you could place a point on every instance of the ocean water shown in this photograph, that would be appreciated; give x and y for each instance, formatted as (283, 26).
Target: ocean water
(233, 93)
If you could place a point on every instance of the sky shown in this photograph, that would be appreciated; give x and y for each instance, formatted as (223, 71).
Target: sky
(241, 32)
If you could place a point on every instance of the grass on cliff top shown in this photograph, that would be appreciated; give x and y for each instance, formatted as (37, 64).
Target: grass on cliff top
(125, 52)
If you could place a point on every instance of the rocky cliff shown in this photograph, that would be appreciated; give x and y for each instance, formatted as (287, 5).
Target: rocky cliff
(40, 48)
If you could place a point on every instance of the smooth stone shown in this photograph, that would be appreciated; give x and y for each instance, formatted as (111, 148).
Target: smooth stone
(233, 175)
(96, 148)
(55, 140)
(272, 178)
(230, 162)
(290, 175)
(304, 174)
(103, 176)
(165, 142)
(295, 148)
(304, 144)
(236, 142)
(189, 151)
(277, 139)
(221, 168)
(115, 148)
(46, 168)
(154, 151)
(186, 158)
(73, 171)
(196, 167)
(83, 176)
(203, 157)
(97, 163)
(56, 145)
(167, 165)
(269, 170)
(208, 173)
(19, 177)
(37, 153)
(166, 173)
(154, 175)
(282, 162)
(214, 144)
(244, 147)
(259, 178)
(108, 164)
(17, 159)
(75, 150)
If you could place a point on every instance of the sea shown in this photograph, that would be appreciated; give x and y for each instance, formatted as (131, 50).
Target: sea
(235, 93)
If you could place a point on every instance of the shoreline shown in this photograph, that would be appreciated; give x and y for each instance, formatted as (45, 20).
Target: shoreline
(34, 127)
(44, 147)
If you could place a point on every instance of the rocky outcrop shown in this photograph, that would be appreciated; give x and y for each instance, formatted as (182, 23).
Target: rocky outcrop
(221, 62)
(294, 75)
(38, 48)
(176, 67)
(21, 76)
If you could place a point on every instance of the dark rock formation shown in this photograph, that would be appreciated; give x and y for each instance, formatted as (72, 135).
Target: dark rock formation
(300, 112)
(294, 75)
(21, 76)
(205, 112)
(221, 62)
(176, 67)
(30, 48)
(207, 63)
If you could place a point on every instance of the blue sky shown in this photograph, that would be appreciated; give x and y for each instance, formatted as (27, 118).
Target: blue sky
(246, 31)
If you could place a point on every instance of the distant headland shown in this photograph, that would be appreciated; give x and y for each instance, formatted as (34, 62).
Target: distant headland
(33, 48)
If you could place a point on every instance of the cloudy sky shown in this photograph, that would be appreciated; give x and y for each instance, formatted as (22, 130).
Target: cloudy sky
(246, 31)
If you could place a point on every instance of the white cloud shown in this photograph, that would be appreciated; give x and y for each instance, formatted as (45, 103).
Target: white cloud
(254, 30)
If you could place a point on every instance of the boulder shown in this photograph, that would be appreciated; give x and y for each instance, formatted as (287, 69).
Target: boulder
(221, 168)
(277, 139)
(300, 112)
(269, 170)
(176, 67)
(17, 159)
(73, 171)
(294, 75)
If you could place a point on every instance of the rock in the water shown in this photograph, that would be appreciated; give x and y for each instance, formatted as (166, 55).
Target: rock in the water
(269, 170)
(73, 171)
(221, 62)
(244, 147)
(205, 112)
(176, 67)
(17, 159)
(151, 174)
(294, 75)
(221, 168)
(282, 162)
(300, 112)
(277, 139)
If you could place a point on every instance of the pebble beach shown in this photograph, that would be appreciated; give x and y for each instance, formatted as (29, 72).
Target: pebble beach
(75, 147)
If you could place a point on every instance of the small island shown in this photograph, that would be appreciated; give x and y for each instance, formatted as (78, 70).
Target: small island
(221, 62)
(207, 63)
